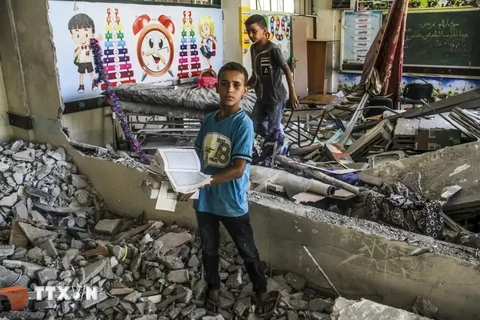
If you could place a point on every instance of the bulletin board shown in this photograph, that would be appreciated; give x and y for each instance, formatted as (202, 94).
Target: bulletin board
(358, 33)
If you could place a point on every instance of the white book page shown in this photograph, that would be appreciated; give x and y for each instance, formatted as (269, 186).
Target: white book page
(165, 200)
(180, 159)
(187, 180)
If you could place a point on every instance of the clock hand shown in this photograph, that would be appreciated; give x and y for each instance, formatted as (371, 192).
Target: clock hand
(162, 58)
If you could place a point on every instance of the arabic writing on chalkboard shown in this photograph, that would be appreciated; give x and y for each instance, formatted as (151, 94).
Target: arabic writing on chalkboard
(446, 34)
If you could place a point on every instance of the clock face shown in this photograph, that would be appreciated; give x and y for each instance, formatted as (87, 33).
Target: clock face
(155, 50)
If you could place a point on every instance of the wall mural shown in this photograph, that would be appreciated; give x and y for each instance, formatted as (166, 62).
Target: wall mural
(443, 87)
(152, 44)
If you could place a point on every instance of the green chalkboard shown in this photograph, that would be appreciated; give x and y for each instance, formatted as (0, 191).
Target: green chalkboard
(443, 38)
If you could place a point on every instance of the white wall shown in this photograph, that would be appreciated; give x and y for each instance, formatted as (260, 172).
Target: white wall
(232, 50)
(329, 24)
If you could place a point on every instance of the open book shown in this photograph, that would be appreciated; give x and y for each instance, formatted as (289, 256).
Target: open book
(182, 168)
(167, 197)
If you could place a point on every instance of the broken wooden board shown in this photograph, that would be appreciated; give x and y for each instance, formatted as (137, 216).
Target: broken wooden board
(318, 99)
(381, 132)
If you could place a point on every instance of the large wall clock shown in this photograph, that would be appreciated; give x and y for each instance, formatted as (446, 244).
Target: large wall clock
(155, 47)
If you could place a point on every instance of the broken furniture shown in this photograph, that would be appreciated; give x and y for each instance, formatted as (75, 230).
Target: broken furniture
(376, 105)
(419, 135)
(414, 93)
(169, 115)
(374, 141)
(467, 100)
(300, 131)
(469, 119)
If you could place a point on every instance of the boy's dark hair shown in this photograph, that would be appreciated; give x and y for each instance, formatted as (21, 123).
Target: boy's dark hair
(81, 21)
(234, 66)
(258, 19)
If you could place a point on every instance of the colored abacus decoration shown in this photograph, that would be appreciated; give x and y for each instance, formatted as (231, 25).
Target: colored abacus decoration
(189, 61)
(116, 60)
(103, 79)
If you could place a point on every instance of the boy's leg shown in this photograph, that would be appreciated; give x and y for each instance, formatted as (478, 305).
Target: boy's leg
(241, 232)
(275, 116)
(258, 118)
(208, 226)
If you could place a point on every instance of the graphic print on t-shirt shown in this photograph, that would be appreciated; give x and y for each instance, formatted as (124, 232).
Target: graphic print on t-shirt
(216, 150)
(266, 66)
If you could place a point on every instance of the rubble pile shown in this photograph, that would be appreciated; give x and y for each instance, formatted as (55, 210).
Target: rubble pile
(52, 235)
(144, 271)
(127, 158)
(39, 183)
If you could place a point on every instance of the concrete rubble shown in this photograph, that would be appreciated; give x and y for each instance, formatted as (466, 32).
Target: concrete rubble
(126, 158)
(39, 183)
(56, 232)
(144, 269)
(140, 280)
(365, 309)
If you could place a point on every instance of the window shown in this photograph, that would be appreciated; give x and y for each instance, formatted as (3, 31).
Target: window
(273, 5)
(304, 7)
(204, 2)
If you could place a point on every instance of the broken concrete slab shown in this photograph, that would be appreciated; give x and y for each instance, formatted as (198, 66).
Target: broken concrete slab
(70, 254)
(438, 170)
(6, 250)
(333, 241)
(91, 271)
(36, 234)
(20, 210)
(9, 201)
(173, 240)
(365, 309)
(108, 226)
(10, 278)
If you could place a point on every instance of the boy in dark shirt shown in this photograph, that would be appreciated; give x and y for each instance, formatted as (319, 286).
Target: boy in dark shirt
(224, 145)
(268, 63)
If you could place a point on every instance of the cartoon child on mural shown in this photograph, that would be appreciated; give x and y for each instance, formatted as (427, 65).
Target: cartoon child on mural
(82, 29)
(206, 27)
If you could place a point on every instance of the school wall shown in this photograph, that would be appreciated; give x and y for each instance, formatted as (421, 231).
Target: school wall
(6, 133)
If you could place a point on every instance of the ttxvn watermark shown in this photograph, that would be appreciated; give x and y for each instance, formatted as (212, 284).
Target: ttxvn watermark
(59, 293)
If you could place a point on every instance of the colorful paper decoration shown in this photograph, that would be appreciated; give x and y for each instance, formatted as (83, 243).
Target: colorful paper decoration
(103, 78)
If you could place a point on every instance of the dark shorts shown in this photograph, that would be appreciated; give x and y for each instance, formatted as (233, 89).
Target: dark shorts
(87, 66)
(206, 52)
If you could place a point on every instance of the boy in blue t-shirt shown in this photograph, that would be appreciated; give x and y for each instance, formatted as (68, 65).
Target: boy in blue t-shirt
(224, 145)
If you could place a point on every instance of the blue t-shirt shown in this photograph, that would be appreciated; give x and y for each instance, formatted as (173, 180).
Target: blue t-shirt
(218, 143)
